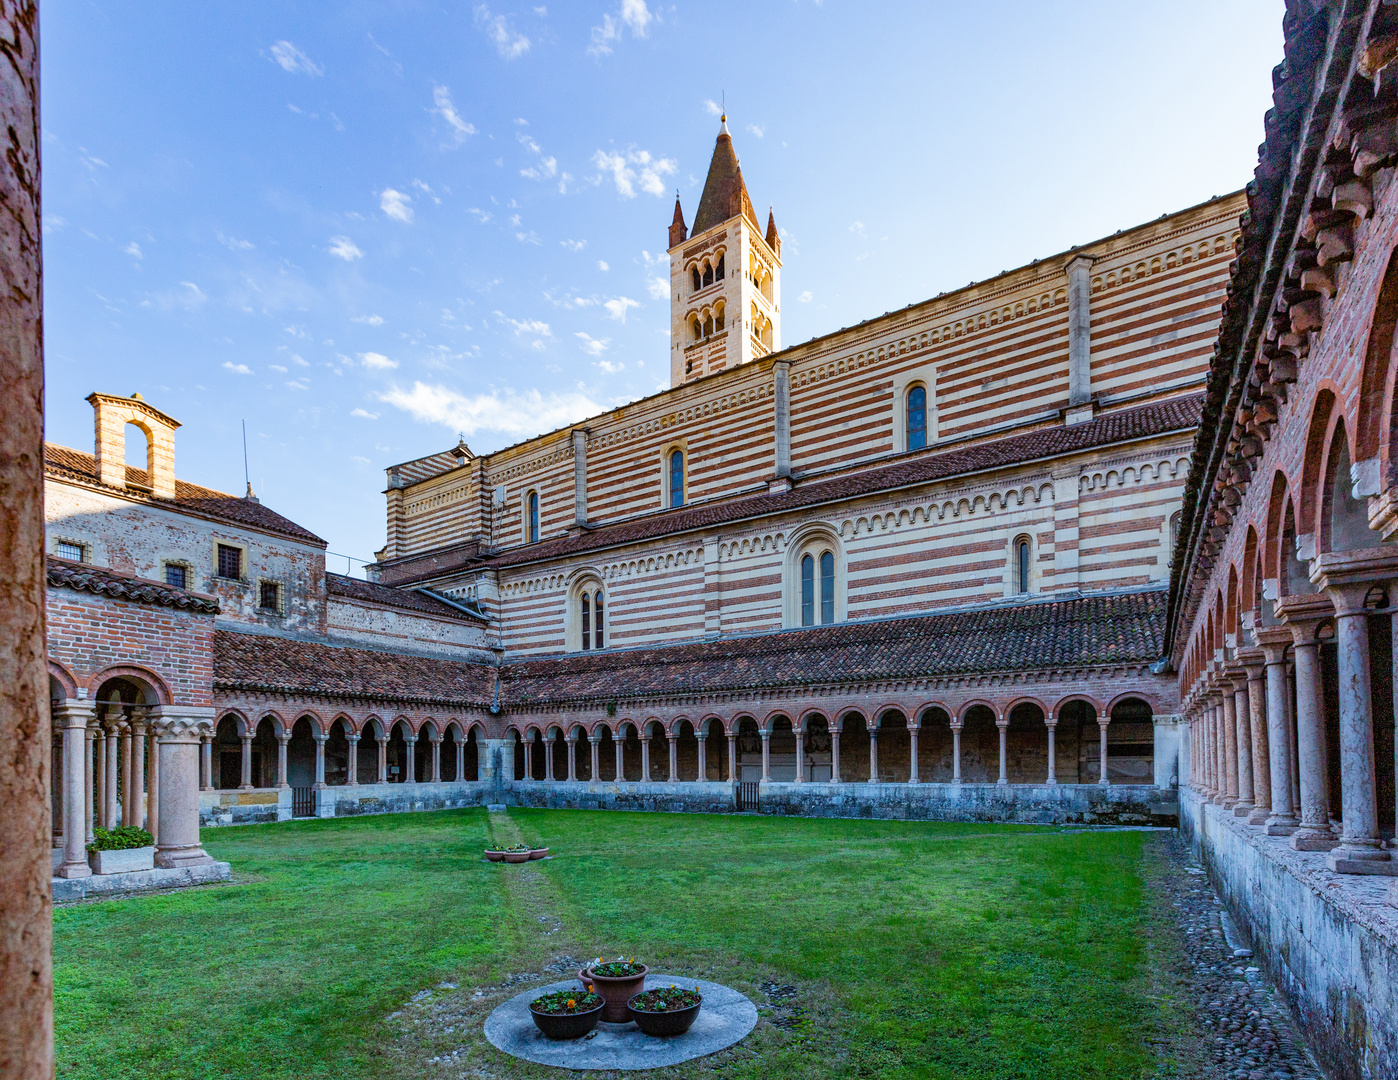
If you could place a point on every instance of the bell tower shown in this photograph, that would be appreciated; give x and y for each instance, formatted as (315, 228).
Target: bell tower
(725, 276)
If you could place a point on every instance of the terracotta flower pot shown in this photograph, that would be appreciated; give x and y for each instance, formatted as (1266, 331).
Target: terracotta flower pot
(516, 856)
(495, 856)
(538, 852)
(567, 1025)
(615, 992)
(664, 1024)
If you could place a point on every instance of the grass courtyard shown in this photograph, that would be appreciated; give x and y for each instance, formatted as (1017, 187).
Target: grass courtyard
(915, 949)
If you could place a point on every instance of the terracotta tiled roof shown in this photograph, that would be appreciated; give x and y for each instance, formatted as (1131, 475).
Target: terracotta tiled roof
(1125, 628)
(725, 180)
(283, 665)
(98, 580)
(1175, 414)
(407, 599)
(63, 461)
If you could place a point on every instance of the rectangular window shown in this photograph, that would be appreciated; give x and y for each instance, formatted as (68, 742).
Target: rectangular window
(76, 552)
(269, 596)
(175, 576)
(230, 562)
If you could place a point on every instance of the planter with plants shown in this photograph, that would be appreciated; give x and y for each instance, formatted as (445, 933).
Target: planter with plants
(121, 850)
(567, 1014)
(538, 852)
(668, 1010)
(495, 854)
(517, 853)
(617, 981)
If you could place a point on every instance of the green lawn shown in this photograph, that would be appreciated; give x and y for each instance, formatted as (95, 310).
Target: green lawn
(917, 949)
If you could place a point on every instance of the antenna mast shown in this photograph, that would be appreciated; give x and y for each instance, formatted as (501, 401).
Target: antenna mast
(246, 477)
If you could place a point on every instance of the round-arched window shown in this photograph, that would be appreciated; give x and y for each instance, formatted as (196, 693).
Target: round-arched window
(676, 477)
(917, 417)
(531, 524)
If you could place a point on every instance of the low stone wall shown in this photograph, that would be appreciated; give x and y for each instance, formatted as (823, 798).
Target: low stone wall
(341, 800)
(1043, 804)
(1329, 941)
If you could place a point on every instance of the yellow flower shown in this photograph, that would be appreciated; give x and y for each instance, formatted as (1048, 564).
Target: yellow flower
(572, 1003)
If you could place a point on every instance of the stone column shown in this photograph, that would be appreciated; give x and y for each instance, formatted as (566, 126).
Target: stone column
(1102, 751)
(702, 737)
(528, 759)
(137, 787)
(436, 759)
(1079, 329)
(320, 738)
(800, 754)
(245, 784)
(352, 762)
(101, 796)
(873, 755)
(1261, 748)
(461, 760)
(1291, 738)
(206, 762)
(645, 757)
(1004, 729)
(1243, 724)
(89, 812)
(177, 738)
(72, 717)
(766, 755)
(835, 756)
(1313, 833)
(128, 815)
(1360, 842)
(619, 745)
(913, 729)
(781, 416)
(383, 759)
(1230, 750)
(283, 737)
(1052, 725)
(956, 753)
(410, 753)
(1220, 752)
(110, 803)
(595, 742)
(573, 756)
(153, 795)
(674, 741)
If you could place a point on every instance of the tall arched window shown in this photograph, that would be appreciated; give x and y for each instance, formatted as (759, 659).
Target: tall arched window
(676, 477)
(818, 596)
(917, 417)
(718, 270)
(698, 282)
(718, 319)
(827, 587)
(590, 617)
(1022, 565)
(531, 518)
(708, 274)
(812, 578)
(807, 590)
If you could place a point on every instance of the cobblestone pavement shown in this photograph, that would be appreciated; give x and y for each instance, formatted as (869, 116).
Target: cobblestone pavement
(1248, 1028)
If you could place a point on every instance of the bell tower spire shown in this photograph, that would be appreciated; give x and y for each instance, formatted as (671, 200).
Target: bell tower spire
(725, 275)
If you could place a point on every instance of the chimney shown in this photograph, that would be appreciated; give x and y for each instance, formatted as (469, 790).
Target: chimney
(111, 414)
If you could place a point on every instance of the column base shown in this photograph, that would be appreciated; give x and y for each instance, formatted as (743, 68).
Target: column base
(73, 870)
(1281, 825)
(1259, 815)
(914, 780)
(1309, 838)
(1242, 808)
(1362, 862)
(176, 858)
(246, 787)
(1050, 780)
(1002, 783)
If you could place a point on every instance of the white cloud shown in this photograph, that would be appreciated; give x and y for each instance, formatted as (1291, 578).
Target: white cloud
(857, 227)
(342, 247)
(602, 264)
(188, 296)
(299, 384)
(510, 412)
(480, 215)
(617, 308)
(546, 168)
(299, 362)
(368, 320)
(535, 328)
(364, 414)
(712, 107)
(423, 187)
(508, 42)
(591, 345)
(444, 107)
(806, 297)
(237, 369)
(573, 245)
(377, 361)
(395, 205)
(278, 368)
(635, 167)
(657, 287)
(233, 244)
(294, 60)
(134, 250)
(633, 15)
(757, 130)
(609, 367)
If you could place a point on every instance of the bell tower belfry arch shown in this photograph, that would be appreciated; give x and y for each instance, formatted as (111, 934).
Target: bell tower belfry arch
(725, 276)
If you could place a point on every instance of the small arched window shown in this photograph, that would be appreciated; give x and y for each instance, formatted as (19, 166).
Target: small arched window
(718, 270)
(718, 319)
(696, 328)
(917, 417)
(708, 326)
(807, 590)
(827, 588)
(708, 274)
(1022, 565)
(698, 283)
(818, 594)
(531, 523)
(590, 618)
(676, 477)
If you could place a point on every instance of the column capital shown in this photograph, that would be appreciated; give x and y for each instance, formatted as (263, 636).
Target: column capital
(73, 713)
(283, 737)
(594, 738)
(352, 737)
(320, 736)
(1302, 613)
(1346, 576)
(183, 723)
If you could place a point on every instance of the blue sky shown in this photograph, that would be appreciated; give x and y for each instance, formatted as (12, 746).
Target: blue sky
(365, 227)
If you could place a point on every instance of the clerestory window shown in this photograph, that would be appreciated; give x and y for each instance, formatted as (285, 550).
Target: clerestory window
(917, 417)
(676, 478)
(590, 618)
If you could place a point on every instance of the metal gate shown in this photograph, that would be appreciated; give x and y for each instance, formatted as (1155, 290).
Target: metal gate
(303, 802)
(747, 795)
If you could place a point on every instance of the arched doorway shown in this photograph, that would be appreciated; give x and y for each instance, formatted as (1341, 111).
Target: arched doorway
(818, 749)
(337, 750)
(935, 747)
(980, 746)
(854, 748)
(1131, 743)
(895, 748)
(1026, 745)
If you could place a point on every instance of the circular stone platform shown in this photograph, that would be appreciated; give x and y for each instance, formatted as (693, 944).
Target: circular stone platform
(726, 1017)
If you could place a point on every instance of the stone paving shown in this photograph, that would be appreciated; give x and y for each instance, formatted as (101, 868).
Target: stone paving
(1250, 1032)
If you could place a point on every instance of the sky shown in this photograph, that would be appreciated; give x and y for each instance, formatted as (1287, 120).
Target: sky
(368, 228)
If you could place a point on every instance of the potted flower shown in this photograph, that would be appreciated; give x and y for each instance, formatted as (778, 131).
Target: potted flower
(538, 852)
(517, 853)
(617, 981)
(669, 1010)
(121, 850)
(566, 1014)
(495, 854)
